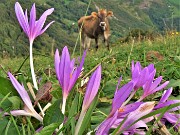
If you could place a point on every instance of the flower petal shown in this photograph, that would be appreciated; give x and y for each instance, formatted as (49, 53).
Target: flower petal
(41, 21)
(77, 72)
(56, 63)
(161, 87)
(22, 92)
(47, 26)
(106, 125)
(120, 96)
(20, 113)
(166, 95)
(32, 19)
(143, 109)
(22, 18)
(92, 88)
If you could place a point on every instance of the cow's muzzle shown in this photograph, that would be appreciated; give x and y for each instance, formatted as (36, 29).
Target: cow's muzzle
(102, 25)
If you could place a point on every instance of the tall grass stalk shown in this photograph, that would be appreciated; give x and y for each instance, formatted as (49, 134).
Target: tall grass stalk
(129, 56)
(14, 122)
(7, 128)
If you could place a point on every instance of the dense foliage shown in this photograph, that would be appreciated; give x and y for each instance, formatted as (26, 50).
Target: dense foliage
(151, 16)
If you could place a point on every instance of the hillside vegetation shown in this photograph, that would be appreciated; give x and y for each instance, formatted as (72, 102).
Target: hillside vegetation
(147, 15)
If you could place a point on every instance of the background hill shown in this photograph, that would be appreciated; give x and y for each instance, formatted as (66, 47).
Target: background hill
(147, 15)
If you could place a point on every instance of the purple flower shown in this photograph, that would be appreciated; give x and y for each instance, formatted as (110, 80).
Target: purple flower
(151, 86)
(173, 118)
(91, 91)
(105, 126)
(120, 96)
(141, 111)
(32, 28)
(141, 75)
(92, 88)
(28, 107)
(66, 72)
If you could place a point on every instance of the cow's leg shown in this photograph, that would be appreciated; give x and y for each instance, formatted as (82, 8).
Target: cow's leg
(96, 40)
(83, 38)
(88, 43)
(106, 38)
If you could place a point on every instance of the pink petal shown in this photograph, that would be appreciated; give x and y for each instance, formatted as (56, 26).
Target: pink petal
(22, 92)
(22, 18)
(161, 87)
(92, 88)
(56, 63)
(47, 26)
(32, 19)
(20, 113)
(166, 95)
(41, 21)
(143, 109)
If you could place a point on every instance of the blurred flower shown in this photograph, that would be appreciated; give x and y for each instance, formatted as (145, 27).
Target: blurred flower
(28, 107)
(91, 91)
(66, 72)
(141, 75)
(133, 116)
(169, 116)
(128, 127)
(151, 86)
(32, 28)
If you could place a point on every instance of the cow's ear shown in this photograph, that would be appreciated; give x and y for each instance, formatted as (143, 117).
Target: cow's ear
(94, 14)
(109, 14)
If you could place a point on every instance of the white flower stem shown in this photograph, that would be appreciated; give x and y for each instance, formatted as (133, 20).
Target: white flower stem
(80, 120)
(63, 111)
(32, 66)
(64, 105)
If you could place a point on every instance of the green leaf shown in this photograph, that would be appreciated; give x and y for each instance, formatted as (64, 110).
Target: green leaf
(7, 127)
(87, 117)
(6, 87)
(73, 111)
(109, 89)
(48, 130)
(173, 83)
(16, 102)
(53, 114)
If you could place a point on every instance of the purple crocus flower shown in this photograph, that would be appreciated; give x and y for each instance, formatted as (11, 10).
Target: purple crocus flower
(91, 92)
(66, 72)
(32, 28)
(142, 110)
(141, 75)
(119, 97)
(28, 107)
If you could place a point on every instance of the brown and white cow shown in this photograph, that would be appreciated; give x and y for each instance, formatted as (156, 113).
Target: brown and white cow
(94, 26)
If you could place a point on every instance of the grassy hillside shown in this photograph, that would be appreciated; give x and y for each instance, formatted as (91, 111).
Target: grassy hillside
(150, 15)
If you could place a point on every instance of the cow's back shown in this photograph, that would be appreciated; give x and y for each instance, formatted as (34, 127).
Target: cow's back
(89, 25)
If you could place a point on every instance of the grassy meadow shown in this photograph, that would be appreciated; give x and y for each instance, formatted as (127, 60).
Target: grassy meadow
(163, 52)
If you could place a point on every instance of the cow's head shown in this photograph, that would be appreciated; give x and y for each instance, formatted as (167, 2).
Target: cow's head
(102, 15)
